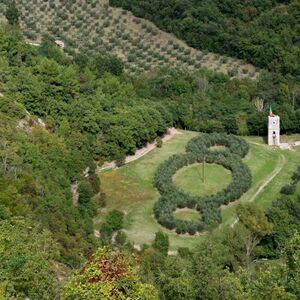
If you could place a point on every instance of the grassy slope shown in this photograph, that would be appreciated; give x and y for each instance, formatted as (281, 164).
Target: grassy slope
(262, 161)
(130, 188)
(90, 26)
(290, 138)
(186, 214)
(190, 179)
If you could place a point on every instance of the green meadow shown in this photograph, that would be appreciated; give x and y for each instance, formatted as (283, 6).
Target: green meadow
(130, 188)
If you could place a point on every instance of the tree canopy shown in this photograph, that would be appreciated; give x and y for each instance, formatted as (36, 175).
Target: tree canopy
(264, 33)
(108, 275)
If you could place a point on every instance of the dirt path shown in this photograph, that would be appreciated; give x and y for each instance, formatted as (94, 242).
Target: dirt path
(266, 182)
(171, 132)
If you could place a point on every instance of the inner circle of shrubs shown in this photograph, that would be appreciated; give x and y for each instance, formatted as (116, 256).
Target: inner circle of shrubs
(208, 206)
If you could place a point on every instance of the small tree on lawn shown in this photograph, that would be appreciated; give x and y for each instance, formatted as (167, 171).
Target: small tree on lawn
(121, 238)
(159, 142)
(161, 242)
(256, 224)
(115, 219)
(85, 192)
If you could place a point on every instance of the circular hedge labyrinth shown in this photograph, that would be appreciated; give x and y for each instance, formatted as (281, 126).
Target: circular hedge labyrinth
(208, 206)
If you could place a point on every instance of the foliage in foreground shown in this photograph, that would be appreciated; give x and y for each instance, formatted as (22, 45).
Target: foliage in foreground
(222, 267)
(90, 114)
(108, 275)
(27, 253)
(285, 217)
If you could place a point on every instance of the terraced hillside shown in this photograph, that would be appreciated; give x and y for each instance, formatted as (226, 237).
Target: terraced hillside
(92, 26)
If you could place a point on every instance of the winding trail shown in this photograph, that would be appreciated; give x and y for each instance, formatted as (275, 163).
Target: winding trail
(171, 132)
(265, 182)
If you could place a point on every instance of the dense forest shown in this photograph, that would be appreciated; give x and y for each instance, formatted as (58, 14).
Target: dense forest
(265, 33)
(60, 115)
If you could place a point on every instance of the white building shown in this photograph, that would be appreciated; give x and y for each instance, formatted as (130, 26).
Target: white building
(273, 129)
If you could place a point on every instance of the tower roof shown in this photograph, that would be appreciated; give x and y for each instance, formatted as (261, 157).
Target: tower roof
(271, 112)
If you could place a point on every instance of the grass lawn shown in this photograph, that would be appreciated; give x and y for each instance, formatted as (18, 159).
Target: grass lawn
(261, 160)
(186, 214)
(131, 190)
(292, 161)
(190, 179)
(290, 138)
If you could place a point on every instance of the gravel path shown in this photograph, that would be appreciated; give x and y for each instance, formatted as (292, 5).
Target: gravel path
(265, 182)
(171, 132)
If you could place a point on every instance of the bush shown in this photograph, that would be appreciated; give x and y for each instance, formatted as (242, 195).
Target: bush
(105, 234)
(296, 175)
(121, 238)
(233, 72)
(184, 252)
(94, 183)
(106, 24)
(288, 189)
(85, 192)
(115, 219)
(161, 242)
(187, 51)
(159, 142)
(224, 60)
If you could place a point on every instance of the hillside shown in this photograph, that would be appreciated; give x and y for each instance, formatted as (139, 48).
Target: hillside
(93, 26)
(67, 233)
(264, 33)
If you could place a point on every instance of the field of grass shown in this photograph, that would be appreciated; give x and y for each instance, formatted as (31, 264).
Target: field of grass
(93, 26)
(290, 138)
(190, 179)
(131, 190)
(186, 214)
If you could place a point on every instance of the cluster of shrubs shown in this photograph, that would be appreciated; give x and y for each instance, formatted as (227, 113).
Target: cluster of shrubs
(234, 144)
(289, 189)
(197, 151)
(113, 224)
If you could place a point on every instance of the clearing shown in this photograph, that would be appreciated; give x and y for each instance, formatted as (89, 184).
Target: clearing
(190, 179)
(186, 214)
(131, 190)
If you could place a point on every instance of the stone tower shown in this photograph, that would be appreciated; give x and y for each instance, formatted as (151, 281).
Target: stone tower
(273, 129)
